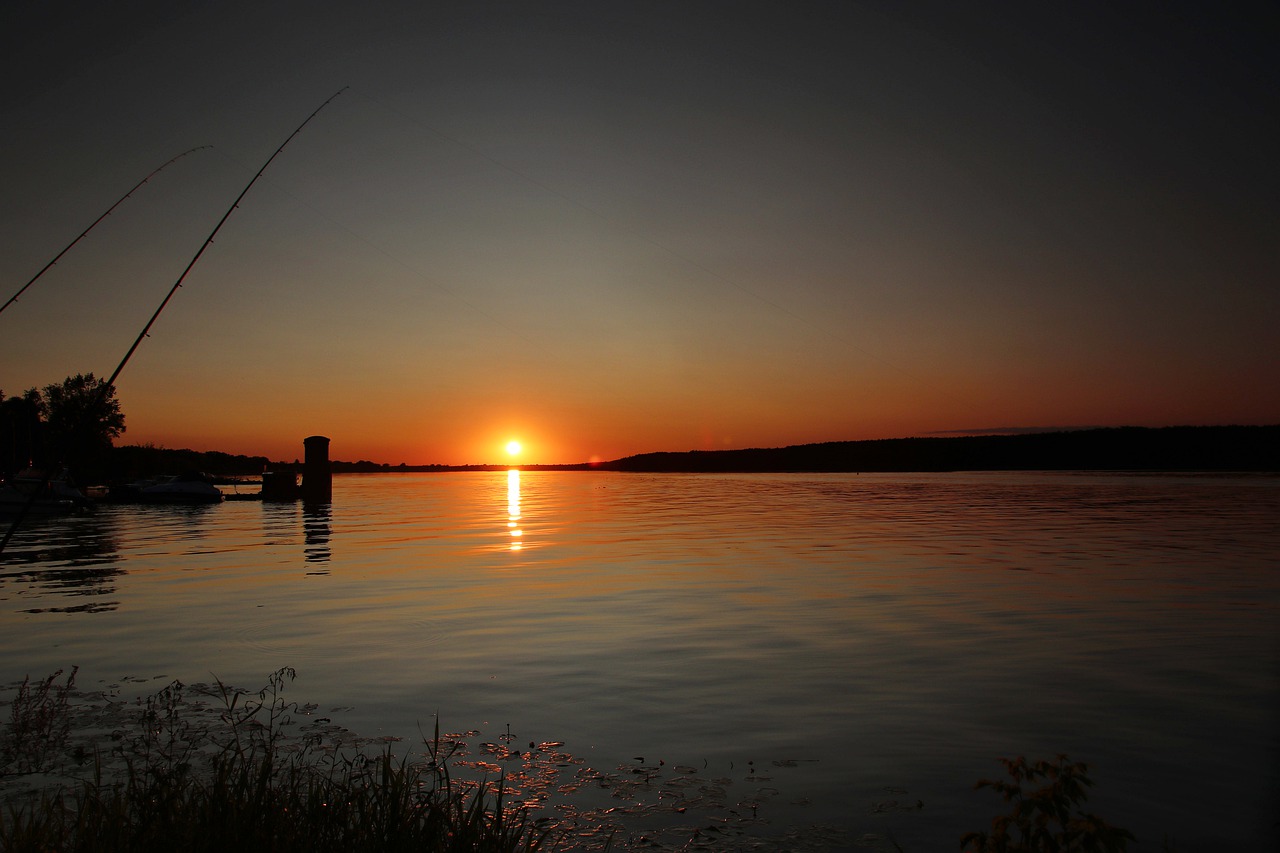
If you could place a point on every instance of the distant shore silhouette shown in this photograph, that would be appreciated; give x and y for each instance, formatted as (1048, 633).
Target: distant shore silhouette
(1183, 448)
(1219, 448)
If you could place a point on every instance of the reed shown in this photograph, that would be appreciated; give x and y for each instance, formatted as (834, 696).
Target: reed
(242, 781)
(39, 723)
(211, 767)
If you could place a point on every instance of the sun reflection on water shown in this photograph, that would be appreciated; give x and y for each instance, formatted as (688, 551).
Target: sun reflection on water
(513, 509)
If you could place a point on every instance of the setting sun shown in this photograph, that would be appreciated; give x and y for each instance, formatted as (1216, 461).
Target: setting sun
(513, 448)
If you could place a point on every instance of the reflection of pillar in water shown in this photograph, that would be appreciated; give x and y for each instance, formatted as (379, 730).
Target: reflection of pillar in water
(315, 532)
(317, 480)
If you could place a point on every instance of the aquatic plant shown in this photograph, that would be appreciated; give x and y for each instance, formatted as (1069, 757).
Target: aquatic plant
(209, 766)
(198, 765)
(1047, 816)
(239, 780)
(38, 724)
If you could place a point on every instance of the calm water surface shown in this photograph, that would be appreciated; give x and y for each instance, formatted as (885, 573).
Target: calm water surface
(868, 639)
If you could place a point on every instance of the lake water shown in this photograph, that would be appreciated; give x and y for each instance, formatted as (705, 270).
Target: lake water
(841, 653)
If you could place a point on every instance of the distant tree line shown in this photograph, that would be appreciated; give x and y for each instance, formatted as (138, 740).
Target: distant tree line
(364, 466)
(135, 461)
(1217, 448)
(73, 424)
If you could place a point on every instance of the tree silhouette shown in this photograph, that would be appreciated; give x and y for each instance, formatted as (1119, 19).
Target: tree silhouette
(82, 418)
(21, 428)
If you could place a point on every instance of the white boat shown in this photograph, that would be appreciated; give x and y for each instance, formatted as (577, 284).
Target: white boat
(188, 488)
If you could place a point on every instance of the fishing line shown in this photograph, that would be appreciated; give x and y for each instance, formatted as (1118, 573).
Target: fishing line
(208, 240)
(58, 257)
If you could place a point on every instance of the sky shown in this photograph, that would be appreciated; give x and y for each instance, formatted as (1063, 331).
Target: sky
(607, 228)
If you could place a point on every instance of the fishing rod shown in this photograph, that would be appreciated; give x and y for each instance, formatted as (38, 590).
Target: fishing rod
(209, 240)
(105, 388)
(58, 257)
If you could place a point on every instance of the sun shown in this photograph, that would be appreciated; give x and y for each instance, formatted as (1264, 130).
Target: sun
(513, 448)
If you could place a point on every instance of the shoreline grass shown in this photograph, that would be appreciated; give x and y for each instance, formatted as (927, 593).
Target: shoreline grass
(236, 778)
(209, 767)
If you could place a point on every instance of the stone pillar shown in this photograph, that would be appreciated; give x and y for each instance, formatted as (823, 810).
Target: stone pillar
(317, 479)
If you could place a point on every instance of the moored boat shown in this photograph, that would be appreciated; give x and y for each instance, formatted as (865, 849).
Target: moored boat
(190, 487)
(32, 492)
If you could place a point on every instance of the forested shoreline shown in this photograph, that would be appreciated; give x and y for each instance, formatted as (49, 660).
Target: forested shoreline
(1207, 448)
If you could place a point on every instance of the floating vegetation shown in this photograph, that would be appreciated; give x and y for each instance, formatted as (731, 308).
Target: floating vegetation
(210, 767)
(206, 766)
(636, 805)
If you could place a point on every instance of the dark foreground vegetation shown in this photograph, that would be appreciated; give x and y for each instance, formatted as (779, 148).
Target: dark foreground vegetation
(237, 781)
(213, 768)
